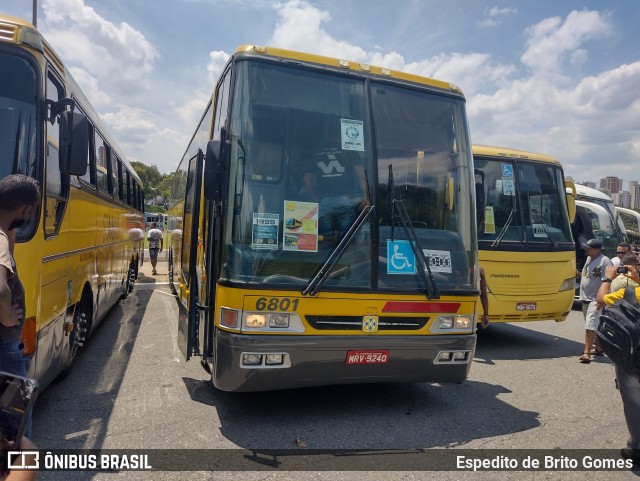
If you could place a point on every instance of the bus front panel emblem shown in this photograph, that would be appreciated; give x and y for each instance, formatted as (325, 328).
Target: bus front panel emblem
(370, 323)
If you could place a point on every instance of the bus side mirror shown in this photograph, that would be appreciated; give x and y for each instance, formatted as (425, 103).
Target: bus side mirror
(570, 191)
(74, 143)
(216, 172)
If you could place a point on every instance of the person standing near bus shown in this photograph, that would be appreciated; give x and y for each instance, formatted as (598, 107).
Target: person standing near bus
(627, 382)
(622, 250)
(154, 236)
(592, 273)
(19, 199)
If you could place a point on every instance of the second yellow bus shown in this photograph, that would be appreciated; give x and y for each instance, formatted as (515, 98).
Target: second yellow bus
(524, 235)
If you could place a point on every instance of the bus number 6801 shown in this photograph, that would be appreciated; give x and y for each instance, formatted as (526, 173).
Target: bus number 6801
(276, 304)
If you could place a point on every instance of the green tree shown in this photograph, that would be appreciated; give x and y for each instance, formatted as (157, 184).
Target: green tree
(151, 178)
(164, 189)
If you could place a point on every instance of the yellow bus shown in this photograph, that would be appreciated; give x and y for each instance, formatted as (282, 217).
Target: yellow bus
(79, 255)
(525, 244)
(327, 236)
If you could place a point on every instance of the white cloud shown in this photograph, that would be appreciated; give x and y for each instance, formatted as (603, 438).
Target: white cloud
(119, 56)
(551, 40)
(217, 61)
(493, 16)
(142, 136)
(300, 24)
(473, 72)
(90, 87)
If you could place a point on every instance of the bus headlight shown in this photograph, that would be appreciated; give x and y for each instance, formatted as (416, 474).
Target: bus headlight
(256, 320)
(568, 284)
(453, 323)
(272, 321)
(279, 320)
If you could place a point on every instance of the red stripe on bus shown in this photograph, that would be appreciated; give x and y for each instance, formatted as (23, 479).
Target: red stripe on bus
(421, 307)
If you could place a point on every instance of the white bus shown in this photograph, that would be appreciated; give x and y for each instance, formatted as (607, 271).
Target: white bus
(617, 232)
(631, 220)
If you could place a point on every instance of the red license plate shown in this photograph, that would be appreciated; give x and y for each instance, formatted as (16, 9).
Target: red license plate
(367, 357)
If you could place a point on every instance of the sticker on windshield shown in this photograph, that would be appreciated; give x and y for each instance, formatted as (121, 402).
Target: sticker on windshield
(489, 220)
(300, 231)
(439, 261)
(507, 170)
(400, 257)
(265, 231)
(352, 134)
(508, 188)
(539, 230)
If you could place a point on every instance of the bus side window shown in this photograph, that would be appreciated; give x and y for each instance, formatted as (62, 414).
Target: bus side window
(56, 184)
(90, 176)
(101, 154)
(114, 187)
(127, 182)
(121, 182)
(138, 197)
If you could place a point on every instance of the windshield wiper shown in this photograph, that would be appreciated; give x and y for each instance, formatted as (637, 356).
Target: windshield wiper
(397, 206)
(546, 231)
(313, 287)
(503, 231)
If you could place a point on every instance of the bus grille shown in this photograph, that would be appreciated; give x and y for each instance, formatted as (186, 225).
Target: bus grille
(354, 323)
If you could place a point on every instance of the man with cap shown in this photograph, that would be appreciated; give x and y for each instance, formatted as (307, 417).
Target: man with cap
(592, 274)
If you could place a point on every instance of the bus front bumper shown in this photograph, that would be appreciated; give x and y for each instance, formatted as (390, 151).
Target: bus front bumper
(323, 360)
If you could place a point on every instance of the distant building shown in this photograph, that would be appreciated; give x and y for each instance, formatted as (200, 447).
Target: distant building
(634, 188)
(612, 184)
(622, 199)
(606, 191)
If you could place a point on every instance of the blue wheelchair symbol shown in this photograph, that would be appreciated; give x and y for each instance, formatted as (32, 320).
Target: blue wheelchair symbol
(507, 170)
(400, 258)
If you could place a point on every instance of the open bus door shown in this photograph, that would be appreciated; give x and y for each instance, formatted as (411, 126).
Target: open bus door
(188, 318)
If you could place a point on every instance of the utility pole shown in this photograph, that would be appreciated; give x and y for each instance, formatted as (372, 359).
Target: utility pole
(35, 13)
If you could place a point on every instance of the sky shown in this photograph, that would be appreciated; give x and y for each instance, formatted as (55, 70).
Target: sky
(555, 77)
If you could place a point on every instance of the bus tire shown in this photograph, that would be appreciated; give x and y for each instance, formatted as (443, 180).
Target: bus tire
(131, 278)
(127, 283)
(136, 267)
(82, 319)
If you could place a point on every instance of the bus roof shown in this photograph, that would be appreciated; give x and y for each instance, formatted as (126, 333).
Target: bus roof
(495, 151)
(346, 65)
(22, 32)
(631, 212)
(600, 212)
(591, 192)
(16, 21)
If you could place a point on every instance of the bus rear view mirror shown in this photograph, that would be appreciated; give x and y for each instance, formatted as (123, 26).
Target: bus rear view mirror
(216, 172)
(570, 189)
(74, 143)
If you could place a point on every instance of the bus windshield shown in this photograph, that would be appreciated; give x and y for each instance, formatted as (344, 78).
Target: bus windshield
(18, 144)
(304, 164)
(523, 202)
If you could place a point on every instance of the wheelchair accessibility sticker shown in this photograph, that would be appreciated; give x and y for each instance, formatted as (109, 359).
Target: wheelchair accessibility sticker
(400, 258)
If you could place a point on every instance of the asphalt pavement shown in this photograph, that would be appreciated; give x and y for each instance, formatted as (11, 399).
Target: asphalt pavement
(131, 389)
